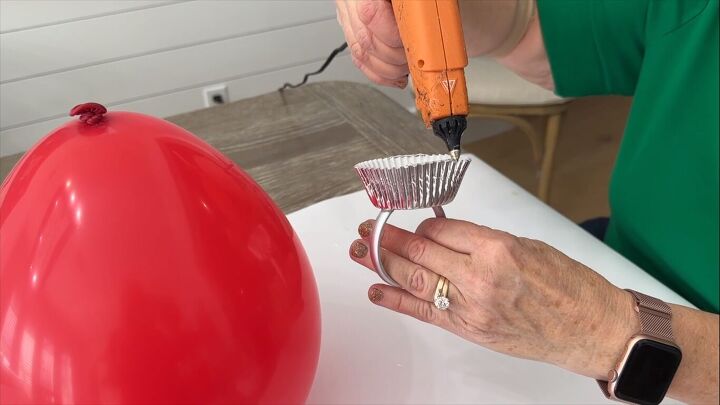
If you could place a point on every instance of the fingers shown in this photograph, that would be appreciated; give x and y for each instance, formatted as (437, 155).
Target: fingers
(379, 18)
(376, 48)
(461, 236)
(394, 56)
(420, 250)
(372, 66)
(405, 303)
(381, 68)
(412, 277)
(374, 26)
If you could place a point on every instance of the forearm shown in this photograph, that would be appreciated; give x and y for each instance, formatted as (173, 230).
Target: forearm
(486, 24)
(499, 28)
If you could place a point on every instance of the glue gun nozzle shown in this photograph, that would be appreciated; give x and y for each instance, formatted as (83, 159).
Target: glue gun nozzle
(450, 130)
(455, 154)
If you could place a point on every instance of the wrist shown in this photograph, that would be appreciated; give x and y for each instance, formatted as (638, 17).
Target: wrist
(622, 324)
(606, 334)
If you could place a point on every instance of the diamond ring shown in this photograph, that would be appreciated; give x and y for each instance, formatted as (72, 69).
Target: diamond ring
(441, 300)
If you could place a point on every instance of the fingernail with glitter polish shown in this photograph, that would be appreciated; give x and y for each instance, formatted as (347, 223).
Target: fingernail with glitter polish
(365, 229)
(375, 295)
(358, 249)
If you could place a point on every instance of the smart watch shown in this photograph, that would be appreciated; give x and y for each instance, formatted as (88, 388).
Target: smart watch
(644, 372)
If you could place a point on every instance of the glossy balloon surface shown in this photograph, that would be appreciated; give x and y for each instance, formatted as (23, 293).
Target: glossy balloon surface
(139, 265)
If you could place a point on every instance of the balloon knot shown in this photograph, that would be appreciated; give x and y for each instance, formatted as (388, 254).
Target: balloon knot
(90, 113)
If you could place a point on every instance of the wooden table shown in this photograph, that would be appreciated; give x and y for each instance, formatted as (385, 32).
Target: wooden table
(301, 145)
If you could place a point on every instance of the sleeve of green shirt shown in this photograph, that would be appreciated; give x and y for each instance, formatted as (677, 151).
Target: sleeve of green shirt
(596, 46)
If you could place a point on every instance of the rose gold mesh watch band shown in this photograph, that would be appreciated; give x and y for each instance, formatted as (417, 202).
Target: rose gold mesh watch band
(655, 316)
(655, 321)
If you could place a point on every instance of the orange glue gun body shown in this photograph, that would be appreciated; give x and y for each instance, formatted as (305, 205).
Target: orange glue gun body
(431, 31)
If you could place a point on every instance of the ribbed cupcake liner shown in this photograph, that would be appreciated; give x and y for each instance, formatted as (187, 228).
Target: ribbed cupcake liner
(409, 182)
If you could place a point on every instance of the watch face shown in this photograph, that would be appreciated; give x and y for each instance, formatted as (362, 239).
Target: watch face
(648, 372)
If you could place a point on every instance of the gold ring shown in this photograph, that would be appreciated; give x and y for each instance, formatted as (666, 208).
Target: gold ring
(440, 299)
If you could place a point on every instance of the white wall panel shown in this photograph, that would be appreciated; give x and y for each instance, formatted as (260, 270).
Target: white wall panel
(26, 14)
(57, 48)
(154, 56)
(21, 138)
(24, 102)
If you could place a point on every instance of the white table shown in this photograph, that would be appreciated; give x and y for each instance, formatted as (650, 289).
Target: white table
(372, 355)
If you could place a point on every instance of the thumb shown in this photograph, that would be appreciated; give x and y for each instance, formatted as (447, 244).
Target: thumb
(379, 18)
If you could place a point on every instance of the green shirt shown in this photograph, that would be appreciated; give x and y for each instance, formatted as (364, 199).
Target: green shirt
(664, 189)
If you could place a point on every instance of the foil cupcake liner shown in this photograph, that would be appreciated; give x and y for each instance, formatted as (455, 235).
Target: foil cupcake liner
(410, 182)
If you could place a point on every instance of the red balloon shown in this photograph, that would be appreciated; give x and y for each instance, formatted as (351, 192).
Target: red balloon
(138, 264)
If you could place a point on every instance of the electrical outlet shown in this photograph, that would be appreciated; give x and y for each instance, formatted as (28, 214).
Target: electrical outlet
(215, 95)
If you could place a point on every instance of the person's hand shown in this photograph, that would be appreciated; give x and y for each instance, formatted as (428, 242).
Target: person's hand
(491, 27)
(374, 41)
(513, 295)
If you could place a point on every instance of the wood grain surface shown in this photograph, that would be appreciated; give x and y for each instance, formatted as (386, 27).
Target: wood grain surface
(301, 145)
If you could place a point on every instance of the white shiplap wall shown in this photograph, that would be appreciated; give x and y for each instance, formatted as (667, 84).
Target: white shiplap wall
(154, 56)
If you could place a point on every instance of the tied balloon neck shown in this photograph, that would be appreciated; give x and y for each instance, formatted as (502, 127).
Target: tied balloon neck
(90, 113)
(450, 130)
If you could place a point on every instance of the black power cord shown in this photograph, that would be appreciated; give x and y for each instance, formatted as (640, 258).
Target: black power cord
(329, 59)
